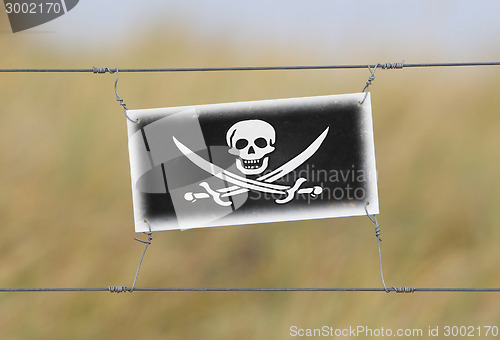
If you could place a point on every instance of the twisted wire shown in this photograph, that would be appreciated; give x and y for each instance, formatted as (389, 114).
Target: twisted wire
(118, 99)
(120, 289)
(392, 66)
(250, 68)
(404, 289)
(368, 83)
(147, 242)
(117, 289)
(103, 70)
(379, 239)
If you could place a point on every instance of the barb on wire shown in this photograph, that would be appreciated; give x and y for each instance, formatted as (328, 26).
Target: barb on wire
(103, 70)
(392, 66)
(118, 289)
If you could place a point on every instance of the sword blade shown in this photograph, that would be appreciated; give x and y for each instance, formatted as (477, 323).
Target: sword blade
(227, 175)
(295, 162)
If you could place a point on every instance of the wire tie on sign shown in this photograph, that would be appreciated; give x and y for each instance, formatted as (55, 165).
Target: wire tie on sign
(102, 70)
(122, 289)
(371, 78)
(148, 233)
(147, 243)
(120, 100)
(374, 220)
(377, 234)
(368, 82)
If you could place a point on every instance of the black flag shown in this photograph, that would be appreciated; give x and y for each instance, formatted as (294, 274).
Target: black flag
(252, 162)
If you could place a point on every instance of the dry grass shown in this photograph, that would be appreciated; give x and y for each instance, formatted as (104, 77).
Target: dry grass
(66, 214)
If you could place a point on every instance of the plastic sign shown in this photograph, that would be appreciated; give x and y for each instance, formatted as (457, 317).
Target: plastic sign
(252, 162)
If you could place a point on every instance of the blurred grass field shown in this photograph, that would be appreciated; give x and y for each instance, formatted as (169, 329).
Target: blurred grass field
(66, 209)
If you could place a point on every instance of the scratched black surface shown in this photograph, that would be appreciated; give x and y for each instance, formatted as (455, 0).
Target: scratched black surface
(296, 128)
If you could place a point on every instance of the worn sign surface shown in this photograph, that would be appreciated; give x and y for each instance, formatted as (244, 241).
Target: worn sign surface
(252, 162)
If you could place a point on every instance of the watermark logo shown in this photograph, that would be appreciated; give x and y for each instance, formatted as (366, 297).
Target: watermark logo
(27, 14)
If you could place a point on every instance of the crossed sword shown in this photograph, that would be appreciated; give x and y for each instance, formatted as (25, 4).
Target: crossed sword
(263, 183)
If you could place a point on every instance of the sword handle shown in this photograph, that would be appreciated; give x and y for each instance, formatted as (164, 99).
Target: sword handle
(290, 193)
(216, 196)
(192, 197)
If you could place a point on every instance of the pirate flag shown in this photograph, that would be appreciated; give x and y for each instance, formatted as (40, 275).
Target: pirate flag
(252, 162)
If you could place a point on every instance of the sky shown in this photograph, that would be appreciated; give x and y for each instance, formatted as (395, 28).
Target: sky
(455, 30)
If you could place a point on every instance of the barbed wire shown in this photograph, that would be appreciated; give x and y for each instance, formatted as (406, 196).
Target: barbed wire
(397, 65)
(371, 67)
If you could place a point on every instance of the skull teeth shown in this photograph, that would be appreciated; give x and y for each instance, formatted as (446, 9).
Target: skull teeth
(252, 163)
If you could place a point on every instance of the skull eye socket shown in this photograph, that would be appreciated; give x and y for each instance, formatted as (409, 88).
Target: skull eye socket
(260, 142)
(241, 144)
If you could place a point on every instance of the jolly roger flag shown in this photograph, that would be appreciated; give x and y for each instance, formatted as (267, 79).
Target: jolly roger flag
(252, 162)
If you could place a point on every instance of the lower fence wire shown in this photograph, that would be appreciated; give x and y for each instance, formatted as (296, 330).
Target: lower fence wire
(116, 289)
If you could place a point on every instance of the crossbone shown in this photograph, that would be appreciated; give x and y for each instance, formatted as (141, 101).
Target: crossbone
(264, 183)
(217, 195)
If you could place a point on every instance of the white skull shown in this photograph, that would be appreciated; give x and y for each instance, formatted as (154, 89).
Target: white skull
(251, 140)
